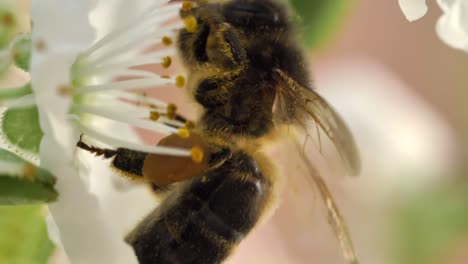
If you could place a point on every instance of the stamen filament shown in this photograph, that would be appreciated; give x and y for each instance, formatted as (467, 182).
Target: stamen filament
(112, 66)
(122, 85)
(136, 43)
(136, 98)
(135, 23)
(123, 118)
(134, 73)
(118, 143)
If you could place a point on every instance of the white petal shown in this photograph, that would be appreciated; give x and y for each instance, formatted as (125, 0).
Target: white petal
(446, 4)
(83, 232)
(61, 31)
(48, 74)
(413, 9)
(125, 209)
(112, 14)
(62, 23)
(452, 27)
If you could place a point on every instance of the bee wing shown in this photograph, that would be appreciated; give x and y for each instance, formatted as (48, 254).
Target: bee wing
(297, 104)
(334, 217)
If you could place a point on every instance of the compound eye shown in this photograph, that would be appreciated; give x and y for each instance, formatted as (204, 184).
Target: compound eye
(251, 13)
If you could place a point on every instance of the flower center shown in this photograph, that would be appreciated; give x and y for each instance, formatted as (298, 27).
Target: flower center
(108, 80)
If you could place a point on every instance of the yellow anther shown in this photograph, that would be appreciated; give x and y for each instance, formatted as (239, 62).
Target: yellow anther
(180, 81)
(187, 6)
(154, 116)
(7, 20)
(183, 133)
(40, 45)
(197, 154)
(204, 179)
(167, 41)
(166, 62)
(165, 76)
(29, 172)
(191, 23)
(189, 125)
(64, 90)
(171, 111)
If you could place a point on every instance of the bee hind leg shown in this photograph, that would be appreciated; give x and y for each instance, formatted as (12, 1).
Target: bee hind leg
(128, 162)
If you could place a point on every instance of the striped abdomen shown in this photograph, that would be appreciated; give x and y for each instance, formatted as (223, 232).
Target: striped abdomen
(203, 220)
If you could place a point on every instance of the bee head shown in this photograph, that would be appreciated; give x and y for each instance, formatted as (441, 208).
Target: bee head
(255, 14)
(250, 17)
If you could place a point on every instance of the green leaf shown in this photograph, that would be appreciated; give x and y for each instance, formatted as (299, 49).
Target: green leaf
(23, 183)
(12, 93)
(21, 51)
(21, 128)
(5, 64)
(23, 235)
(321, 19)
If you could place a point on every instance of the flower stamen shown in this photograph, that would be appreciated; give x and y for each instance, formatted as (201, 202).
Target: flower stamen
(118, 143)
(123, 85)
(105, 74)
(167, 41)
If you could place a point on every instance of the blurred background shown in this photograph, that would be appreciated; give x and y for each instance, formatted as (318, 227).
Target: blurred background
(403, 93)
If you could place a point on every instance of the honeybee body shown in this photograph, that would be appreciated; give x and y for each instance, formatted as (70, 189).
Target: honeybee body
(205, 218)
(249, 76)
(230, 58)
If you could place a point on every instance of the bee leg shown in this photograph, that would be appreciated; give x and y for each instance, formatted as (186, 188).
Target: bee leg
(128, 162)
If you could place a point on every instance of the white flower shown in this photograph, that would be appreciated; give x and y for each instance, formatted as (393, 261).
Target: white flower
(413, 9)
(74, 80)
(452, 26)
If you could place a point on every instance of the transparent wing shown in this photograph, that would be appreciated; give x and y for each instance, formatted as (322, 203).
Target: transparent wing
(334, 217)
(297, 105)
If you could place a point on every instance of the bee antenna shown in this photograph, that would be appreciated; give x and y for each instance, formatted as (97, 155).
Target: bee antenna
(107, 153)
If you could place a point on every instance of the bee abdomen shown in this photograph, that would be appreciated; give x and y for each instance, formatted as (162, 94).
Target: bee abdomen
(207, 218)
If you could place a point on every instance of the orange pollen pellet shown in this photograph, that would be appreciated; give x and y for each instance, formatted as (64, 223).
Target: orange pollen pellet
(197, 154)
(191, 23)
(167, 41)
(154, 116)
(180, 81)
(183, 133)
(166, 62)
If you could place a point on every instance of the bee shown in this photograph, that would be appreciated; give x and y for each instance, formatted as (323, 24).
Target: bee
(249, 76)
